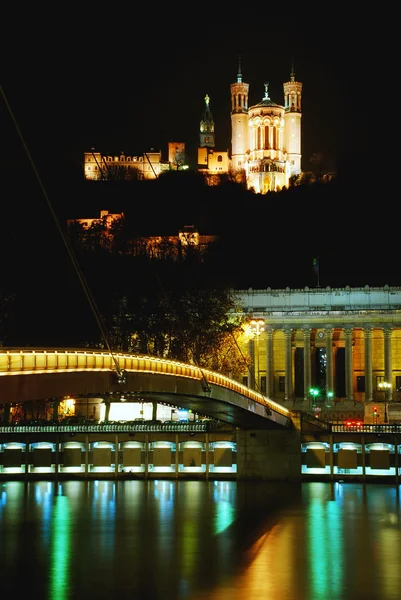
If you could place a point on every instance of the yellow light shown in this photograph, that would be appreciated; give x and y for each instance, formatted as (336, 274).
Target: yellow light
(257, 326)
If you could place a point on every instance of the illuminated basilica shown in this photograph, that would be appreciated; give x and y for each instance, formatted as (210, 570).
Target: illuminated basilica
(265, 145)
(265, 138)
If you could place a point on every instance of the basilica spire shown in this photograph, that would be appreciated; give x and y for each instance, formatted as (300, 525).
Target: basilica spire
(207, 126)
(239, 74)
(292, 74)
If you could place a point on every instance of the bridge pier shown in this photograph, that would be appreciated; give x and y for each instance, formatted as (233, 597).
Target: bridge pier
(269, 455)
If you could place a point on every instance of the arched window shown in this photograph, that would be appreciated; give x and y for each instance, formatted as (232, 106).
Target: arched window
(259, 139)
(267, 140)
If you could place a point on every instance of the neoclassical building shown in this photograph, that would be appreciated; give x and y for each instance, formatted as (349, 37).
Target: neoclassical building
(344, 343)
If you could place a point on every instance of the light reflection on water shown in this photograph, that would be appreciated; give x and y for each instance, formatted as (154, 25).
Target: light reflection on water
(192, 540)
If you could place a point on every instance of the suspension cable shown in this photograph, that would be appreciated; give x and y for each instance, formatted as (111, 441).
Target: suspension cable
(77, 268)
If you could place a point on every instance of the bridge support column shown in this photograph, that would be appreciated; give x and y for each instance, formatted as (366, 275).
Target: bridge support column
(269, 455)
(57, 457)
(116, 455)
(363, 457)
(177, 453)
(146, 456)
(86, 455)
(331, 443)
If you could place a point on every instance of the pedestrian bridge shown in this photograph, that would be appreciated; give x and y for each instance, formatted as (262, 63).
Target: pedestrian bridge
(28, 374)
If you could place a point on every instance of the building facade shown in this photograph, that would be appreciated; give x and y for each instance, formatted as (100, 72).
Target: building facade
(265, 138)
(98, 166)
(211, 163)
(343, 345)
(265, 145)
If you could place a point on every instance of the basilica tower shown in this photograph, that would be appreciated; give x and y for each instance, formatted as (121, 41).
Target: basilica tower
(292, 119)
(206, 136)
(239, 121)
(206, 133)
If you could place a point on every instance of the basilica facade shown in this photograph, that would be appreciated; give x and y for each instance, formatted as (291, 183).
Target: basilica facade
(265, 138)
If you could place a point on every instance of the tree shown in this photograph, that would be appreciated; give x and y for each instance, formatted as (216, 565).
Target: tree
(197, 326)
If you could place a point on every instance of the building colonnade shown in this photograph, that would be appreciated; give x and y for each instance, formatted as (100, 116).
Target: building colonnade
(273, 356)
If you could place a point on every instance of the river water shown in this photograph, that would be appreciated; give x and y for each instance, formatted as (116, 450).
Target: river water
(196, 540)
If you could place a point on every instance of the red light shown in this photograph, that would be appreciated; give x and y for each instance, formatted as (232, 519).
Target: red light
(349, 423)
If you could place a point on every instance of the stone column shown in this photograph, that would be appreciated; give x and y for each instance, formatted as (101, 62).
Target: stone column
(116, 455)
(288, 364)
(368, 364)
(269, 364)
(388, 361)
(307, 363)
(86, 455)
(348, 364)
(329, 360)
(251, 375)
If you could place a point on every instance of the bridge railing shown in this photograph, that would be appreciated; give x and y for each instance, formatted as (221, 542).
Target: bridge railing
(24, 361)
(368, 428)
(111, 427)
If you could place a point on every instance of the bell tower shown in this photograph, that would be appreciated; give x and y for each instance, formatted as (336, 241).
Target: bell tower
(292, 120)
(207, 127)
(239, 121)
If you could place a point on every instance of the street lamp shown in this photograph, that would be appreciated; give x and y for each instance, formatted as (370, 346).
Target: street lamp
(329, 396)
(257, 326)
(385, 387)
